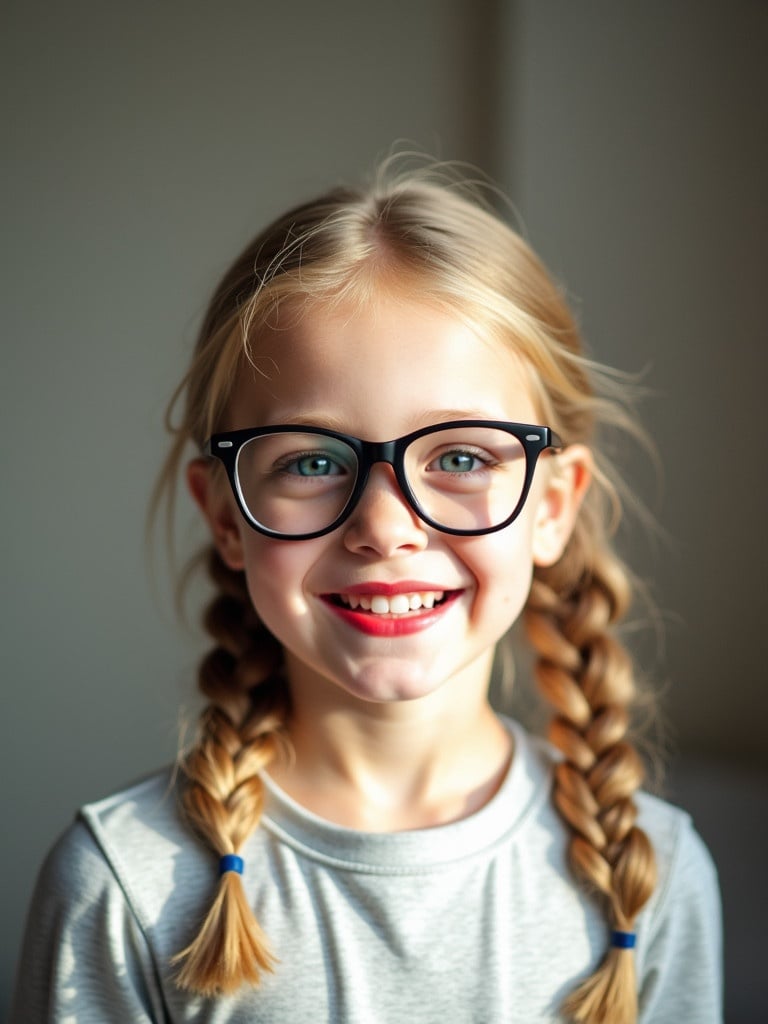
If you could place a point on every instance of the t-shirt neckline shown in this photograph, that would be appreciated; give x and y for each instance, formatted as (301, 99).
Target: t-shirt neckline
(420, 849)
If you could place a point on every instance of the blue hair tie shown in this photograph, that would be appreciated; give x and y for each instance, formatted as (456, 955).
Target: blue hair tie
(623, 940)
(231, 862)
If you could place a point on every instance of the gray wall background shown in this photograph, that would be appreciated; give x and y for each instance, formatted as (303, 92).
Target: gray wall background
(147, 142)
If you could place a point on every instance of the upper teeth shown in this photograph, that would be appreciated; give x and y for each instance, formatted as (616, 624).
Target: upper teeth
(398, 604)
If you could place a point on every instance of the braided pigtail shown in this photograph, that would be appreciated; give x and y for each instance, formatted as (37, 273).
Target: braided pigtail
(585, 675)
(241, 732)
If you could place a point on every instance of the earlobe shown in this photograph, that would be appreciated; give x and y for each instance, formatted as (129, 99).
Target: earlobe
(212, 496)
(569, 480)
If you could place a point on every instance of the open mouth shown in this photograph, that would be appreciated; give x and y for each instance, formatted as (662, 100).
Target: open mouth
(395, 605)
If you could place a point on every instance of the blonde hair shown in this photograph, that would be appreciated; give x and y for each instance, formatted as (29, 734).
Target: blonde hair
(416, 229)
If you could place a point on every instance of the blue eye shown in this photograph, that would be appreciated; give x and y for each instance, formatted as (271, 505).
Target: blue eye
(459, 462)
(313, 464)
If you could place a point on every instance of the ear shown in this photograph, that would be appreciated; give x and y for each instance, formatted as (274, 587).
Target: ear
(211, 493)
(570, 474)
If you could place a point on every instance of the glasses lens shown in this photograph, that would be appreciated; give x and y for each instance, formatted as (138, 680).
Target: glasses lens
(467, 478)
(295, 483)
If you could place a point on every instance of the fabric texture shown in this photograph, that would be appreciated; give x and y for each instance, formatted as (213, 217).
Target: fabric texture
(476, 921)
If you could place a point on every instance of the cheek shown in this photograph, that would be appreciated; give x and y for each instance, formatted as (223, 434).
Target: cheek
(503, 569)
(275, 571)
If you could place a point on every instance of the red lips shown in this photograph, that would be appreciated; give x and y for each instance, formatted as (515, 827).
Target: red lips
(395, 623)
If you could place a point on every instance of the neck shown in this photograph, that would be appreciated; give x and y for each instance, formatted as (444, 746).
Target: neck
(393, 766)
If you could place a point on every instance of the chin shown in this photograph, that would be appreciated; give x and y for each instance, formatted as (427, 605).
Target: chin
(391, 685)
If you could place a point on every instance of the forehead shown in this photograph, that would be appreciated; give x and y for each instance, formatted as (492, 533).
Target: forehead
(379, 371)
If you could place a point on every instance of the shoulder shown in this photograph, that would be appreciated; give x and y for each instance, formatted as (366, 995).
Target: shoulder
(131, 852)
(150, 801)
(96, 910)
(687, 876)
(142, 835)
(151, 853)
(682, 859)
(679, 932)
(108, 832)
(120, 893)
(679, 937)
(678, 848)
(130, 839)
(687, 891)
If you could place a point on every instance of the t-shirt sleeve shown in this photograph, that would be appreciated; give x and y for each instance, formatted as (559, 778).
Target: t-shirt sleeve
(682, 968)
(84, 957)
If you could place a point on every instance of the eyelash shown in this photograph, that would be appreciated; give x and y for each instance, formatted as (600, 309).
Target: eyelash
(486, 460)
(283, 465)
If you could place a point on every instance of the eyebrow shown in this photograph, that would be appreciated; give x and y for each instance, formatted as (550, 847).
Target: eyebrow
(428, 418)
(458, 414)
(324, 420)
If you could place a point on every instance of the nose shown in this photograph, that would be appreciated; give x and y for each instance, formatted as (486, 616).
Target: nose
(383, 523)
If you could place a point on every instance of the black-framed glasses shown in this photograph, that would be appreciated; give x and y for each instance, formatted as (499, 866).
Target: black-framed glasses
(465, 477)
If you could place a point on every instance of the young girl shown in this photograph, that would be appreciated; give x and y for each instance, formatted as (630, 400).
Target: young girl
(392, 429)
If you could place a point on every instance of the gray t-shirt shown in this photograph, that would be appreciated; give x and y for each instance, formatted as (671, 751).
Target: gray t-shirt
(476, 921)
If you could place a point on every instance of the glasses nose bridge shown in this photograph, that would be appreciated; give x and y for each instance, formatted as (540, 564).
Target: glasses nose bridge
(379, 451)
(391, 454)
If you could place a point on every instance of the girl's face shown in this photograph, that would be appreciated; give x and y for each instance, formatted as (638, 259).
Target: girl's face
(378, 374)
